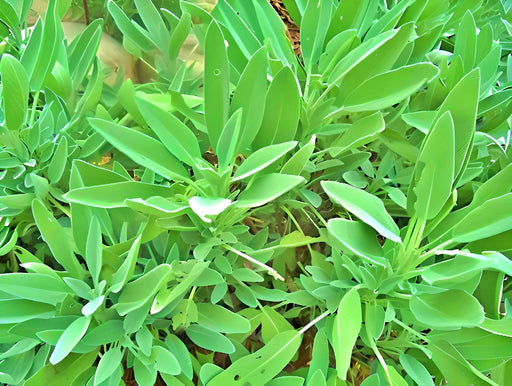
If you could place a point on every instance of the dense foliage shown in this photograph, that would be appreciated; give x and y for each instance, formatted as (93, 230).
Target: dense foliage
(338, 217)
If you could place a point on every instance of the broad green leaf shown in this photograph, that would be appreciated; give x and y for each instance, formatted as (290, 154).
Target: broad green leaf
(209, 339)
(363, 131)
(462, 102)
(359, 239)
(141, 148)
(415, 370)
(52, 233)
(179, 350)
(384, 90)
(464, 263)
(216, 82)
(364, 205)
(262, 365)
(433, 174)
(15, 90)
(70, 338)
(447, 310)
(347, 324)
(65, 372)
(266, 188)
(19, 310)
(139, 291)
(125, 271)
(282, 110)
(489, 219)
(272, 323)
(165, 361)
(250, 96)
(179, 35)
(34, 286)
(313, 30)
(157, 206)
(107, 332)
(114, 195)
(174, 134)
(220, 319)
(377, 60)
(349, 15)
(108, 363)
(262, 158)
(319, 357)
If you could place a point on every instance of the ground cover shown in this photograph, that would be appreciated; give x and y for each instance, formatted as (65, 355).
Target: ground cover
(255, 193)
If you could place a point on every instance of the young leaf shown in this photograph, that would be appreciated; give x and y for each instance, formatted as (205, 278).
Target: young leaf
(209, 339)
(263, 364)
(220, 319)
(347, 324)
(364, 205)
(93, 250)
(229, 140)
(416, 370)
(125, 271)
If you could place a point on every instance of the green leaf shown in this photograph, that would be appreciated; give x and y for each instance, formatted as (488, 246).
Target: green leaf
(52, 233)
(384, 90)
(143, 149)
(108, 364)
(489, 219)
(228, 140)
(282, 110)
(174, 134)
(447, 310)
(209, 339)
(250, 96)
(297, 162)
(266, 188)
(262, 365)
(70, 338)
(138, 292)
(125, 271)
(15, 90)
(216, 82)
(208, 206)
(93, 250)
(465, 41)
(220, 319)
(19, 310)
(433, 174)
(114, 195)
(364, 205)
(130, 29)
(415, 370)
(34, 286)
(462, 103)
(363, 131)
(347, 324)
(83, 51)
(262, 158)
(165, 361)
(154, 23)
(57, 164)
(359, 239)
(313, 30)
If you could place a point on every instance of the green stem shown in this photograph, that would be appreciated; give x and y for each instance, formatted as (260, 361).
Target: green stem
(34, 108)
(271, 270)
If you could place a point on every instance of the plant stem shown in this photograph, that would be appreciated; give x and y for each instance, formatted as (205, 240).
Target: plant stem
(271, 270)
(313, 322)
